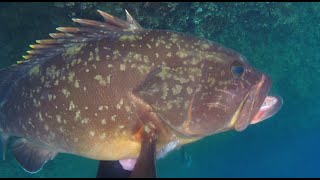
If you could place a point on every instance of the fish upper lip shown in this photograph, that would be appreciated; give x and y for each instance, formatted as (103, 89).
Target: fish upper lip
(262, 90)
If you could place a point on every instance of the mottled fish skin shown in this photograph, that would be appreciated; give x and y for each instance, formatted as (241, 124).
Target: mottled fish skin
(94, 97)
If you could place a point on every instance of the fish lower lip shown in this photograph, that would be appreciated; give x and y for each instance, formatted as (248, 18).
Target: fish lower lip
(268, 102)
(271, 105)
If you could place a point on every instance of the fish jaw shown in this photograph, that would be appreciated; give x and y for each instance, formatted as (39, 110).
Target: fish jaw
(253, 103)
(270, 106)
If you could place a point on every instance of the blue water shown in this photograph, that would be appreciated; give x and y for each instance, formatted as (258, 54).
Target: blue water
(281, 39)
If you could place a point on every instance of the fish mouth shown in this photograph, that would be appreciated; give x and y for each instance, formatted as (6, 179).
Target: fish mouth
(257, 105)
(271, 105)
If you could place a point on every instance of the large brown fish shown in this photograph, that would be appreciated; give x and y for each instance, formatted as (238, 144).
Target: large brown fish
(95, 90)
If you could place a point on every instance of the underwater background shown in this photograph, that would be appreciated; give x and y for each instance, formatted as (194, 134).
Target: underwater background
(281, 39)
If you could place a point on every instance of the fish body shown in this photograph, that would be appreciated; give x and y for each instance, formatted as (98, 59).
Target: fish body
(92, 91)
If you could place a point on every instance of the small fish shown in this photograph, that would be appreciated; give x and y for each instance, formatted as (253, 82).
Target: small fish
(94, 90)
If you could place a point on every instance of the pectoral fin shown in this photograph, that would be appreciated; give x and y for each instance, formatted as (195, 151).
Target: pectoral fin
(31, 157)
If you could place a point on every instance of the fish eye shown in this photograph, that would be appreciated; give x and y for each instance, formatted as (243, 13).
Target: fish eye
(237, 70)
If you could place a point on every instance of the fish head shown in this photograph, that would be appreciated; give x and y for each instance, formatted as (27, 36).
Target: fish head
(206, 89)
(230, 95)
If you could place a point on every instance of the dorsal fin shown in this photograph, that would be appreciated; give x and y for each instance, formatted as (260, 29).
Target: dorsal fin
(90, 30)
(133, 23)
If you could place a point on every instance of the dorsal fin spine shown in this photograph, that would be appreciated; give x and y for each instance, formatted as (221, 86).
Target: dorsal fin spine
(71, 35)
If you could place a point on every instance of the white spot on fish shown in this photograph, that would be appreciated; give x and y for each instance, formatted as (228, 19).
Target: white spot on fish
(71, 105)
(77, 115)
(128, 108)
(122, 67)
(177, 89)
(85, 121)
(113, 118)
(56, 83)
(90, 56)
(58, 118)
(103, 136)
(120, 104)
(46, 127)
(146, 129)
(100, 79)
(189, 90)
(109, 79)
(65, 92)
(76, 84)
(71, 76)
(40, 116)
